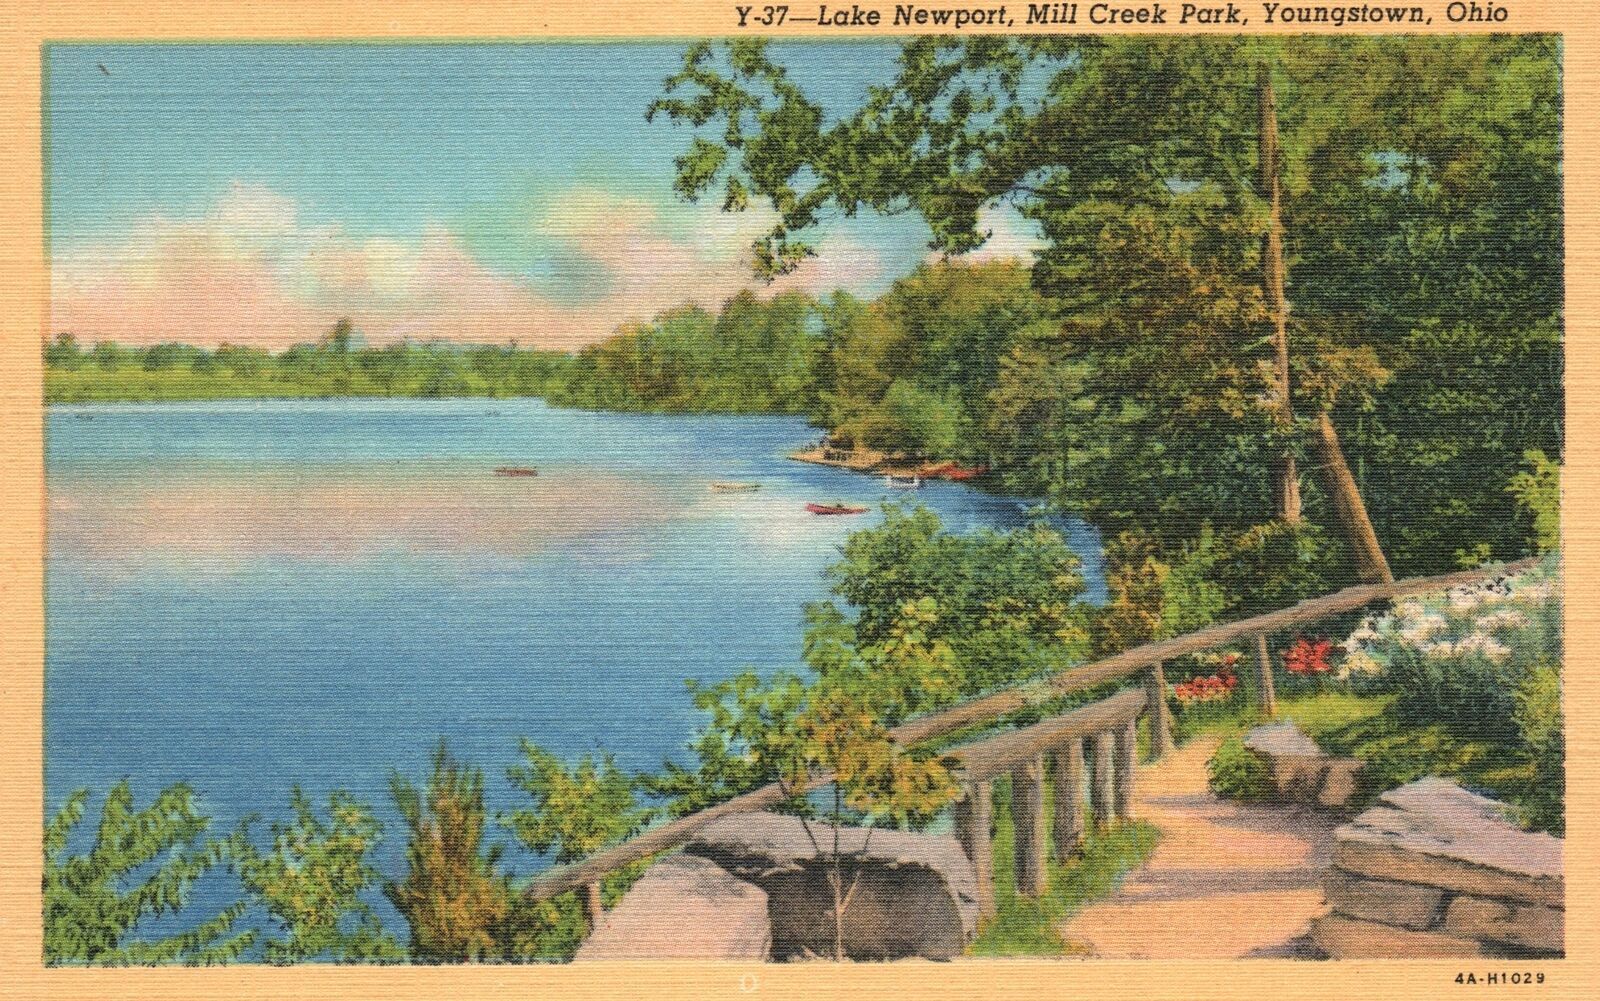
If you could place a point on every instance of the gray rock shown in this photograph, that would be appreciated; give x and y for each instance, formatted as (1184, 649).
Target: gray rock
(684, 907)
(915, 894)
(1404, 904)
(1338, 782)
(1282, 740)
(1340, 937)
(1538, 928)
(1433, 831)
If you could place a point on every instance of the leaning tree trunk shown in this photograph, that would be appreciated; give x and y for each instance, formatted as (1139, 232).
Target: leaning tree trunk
(1334, 472)
(1285, 478)
(1347, 504)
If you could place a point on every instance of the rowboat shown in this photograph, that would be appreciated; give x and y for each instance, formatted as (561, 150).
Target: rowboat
(733, 486)
(894, 482)
(835, 509)
(515, 471)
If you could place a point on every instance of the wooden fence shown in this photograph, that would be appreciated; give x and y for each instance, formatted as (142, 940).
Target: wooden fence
(1097, 741)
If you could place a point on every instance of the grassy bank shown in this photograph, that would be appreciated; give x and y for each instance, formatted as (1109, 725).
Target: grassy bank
(1396, 752)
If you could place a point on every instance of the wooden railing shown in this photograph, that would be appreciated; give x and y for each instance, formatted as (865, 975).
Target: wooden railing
(1104, 729)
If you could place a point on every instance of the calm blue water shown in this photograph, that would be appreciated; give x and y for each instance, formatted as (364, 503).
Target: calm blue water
(247, 595)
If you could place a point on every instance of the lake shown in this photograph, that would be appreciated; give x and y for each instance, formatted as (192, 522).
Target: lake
(250, 594)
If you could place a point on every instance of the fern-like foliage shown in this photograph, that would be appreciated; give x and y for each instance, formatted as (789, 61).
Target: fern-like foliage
(311, 879)
(142, 865)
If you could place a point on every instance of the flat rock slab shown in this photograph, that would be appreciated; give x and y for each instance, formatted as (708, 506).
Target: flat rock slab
(915, 894)
(685, 907)
(1350, 938)
(1434, 832)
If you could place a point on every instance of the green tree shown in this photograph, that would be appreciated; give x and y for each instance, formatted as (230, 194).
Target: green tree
(311, 879)
(142, 865)
(576, 811)
(1188, 191)
(751, 722)
(459, 908)
(1007, 603)
(64, 353)
(1537, 490)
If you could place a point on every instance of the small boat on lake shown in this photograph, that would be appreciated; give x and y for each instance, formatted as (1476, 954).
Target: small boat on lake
(733, 487)
(894, 482)
(835, 509)
(515, 471)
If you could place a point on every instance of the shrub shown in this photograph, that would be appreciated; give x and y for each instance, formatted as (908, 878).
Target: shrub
(457, 905)
(311, 879)
(141, 866)
(1236, 772)
(1459, 658)
(1540, 724)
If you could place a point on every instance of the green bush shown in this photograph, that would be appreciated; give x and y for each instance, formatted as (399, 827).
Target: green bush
(1458, 659)
(1543, 732)
(1236, 772)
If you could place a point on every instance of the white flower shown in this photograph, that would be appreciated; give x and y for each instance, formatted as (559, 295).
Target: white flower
(1359, 662)
(1418, 631)
(1503, 618)
(1488, 646)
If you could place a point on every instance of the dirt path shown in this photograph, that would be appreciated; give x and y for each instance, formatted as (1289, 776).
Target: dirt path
(1227, 881)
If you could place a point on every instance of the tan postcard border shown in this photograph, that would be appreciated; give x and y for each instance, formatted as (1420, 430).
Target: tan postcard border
(27, 24)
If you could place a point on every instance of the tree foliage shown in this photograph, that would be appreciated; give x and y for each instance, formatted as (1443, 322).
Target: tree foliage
(142, 865)
(459, 908)
(311, 879)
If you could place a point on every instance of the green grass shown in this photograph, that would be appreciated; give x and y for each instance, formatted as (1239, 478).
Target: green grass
(1395, 751)
(1024, 926)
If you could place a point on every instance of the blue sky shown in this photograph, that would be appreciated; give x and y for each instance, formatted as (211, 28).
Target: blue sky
(195, 189)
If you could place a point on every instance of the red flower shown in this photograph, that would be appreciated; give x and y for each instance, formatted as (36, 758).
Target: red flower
(1308, 656)
(1211, 688)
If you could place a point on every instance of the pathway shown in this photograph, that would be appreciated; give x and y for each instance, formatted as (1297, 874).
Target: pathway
(1226, 881)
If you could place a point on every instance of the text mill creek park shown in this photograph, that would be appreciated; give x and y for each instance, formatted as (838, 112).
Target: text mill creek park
(1118, 14)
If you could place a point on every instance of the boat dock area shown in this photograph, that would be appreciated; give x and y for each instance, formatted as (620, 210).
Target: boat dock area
(860, 460)
(868, 460)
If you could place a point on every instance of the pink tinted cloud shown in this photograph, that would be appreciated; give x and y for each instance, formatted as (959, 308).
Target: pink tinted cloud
(251, 271)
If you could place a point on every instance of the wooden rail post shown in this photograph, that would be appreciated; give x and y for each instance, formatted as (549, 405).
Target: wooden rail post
(1101, 782)
(593, 905)
(972, 818)
(1067, 762)
(1127, 759)
(1027, 819)
(1266, 695)
(1160, 716)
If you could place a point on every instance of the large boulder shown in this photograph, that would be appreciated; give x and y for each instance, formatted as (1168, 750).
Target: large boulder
(1300, 771)
(685, 907)
(911, 894)
(1436, 870)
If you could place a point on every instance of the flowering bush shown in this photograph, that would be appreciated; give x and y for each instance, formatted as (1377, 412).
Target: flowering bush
(1459, 657)
(1308, 657)
(1211, 688)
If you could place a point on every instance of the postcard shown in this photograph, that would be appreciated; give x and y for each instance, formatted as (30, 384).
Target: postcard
(735, 499)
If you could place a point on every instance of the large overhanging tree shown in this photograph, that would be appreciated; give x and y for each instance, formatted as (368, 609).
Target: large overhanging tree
(1198, 199)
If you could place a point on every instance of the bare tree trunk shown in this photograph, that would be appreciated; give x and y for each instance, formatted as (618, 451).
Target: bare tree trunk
(1285, 478)
(1334, 472)
(1348, 506)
